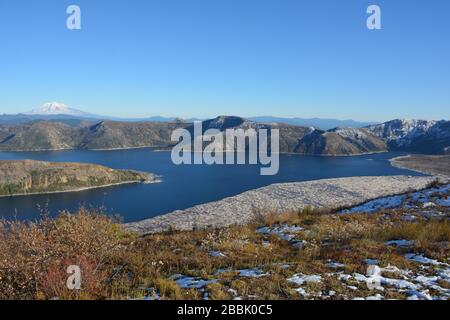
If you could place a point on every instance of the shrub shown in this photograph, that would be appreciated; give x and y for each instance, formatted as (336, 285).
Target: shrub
(34, 256)
(168, 288)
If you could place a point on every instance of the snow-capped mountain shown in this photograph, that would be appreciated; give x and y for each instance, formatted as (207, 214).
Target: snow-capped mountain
(417, 135)
(56, 108)
(318, 123)
(402, 130)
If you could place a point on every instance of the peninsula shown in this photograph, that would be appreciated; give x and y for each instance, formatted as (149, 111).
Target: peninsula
(25, 177)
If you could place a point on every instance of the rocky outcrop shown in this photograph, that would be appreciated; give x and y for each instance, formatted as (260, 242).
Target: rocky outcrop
(28, 176)
(240, 209)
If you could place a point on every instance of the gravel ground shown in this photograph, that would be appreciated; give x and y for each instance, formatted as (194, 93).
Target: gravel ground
(328, 193)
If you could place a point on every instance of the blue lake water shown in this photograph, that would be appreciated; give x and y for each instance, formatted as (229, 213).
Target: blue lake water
(183, 186)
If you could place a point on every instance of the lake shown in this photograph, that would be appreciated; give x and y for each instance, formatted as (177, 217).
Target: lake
(183, 186)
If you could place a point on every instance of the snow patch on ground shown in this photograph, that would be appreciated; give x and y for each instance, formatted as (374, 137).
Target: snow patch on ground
(372, 261)
(378, 204)
(421, 259)
(443, 202)
(252, 273)
(284, 232)
(301, 279)
(416, 286)
(400, 243)
(428, 198)
(217, 254)
(335, 265)
(186, 282)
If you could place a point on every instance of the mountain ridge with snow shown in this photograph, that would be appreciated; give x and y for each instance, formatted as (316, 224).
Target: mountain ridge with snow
(417, 135)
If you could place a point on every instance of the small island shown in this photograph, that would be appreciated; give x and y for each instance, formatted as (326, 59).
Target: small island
(24, 177)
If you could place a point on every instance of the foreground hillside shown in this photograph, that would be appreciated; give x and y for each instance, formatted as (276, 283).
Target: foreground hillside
(27, 176)
(395, 252)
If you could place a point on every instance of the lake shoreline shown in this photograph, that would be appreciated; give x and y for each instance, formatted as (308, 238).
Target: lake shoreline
(168, 149)
(184, 186)
(243, 208)
(80, 189)
(417, 165)
(75, 149)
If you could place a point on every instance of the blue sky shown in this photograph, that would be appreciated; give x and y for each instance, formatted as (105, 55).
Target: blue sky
(202, 58)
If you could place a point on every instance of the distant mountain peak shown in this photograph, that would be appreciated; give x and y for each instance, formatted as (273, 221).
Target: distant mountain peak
(223, 122)
(56, 108)
(323, 124)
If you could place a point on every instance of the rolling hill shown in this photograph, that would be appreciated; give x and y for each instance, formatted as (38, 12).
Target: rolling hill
(415, 136)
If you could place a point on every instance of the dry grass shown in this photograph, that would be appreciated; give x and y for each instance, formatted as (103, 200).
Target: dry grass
(117, 265)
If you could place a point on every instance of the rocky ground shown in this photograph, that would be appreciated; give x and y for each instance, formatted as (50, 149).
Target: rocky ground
(243, 208)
